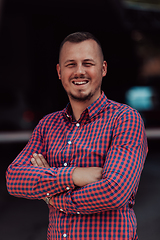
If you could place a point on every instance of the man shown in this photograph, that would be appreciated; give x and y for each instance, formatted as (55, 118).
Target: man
(86, 160)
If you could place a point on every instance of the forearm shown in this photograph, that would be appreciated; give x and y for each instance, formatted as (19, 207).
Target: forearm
(84, 175)
(96, 197)
(35, 182)
(39, 179)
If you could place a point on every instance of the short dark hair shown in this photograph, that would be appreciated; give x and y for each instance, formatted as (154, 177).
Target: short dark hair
(78, 37)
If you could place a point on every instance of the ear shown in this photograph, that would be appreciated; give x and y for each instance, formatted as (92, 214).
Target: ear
(104, 69)
(58, 70)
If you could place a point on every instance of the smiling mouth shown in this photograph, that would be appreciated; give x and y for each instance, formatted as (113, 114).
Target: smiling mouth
(80, 82)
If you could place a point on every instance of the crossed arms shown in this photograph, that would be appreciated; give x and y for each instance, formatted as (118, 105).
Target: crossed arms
(81, 175)
(86, 190)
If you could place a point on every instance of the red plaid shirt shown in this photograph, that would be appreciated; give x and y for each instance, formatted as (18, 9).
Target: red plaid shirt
(109, 135)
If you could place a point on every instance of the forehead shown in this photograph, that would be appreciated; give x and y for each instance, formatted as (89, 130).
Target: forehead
(86, 49)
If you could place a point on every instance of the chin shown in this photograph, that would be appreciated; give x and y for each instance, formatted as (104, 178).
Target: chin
(81, 97)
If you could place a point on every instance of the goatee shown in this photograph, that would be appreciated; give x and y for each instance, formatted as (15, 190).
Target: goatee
(81, 98)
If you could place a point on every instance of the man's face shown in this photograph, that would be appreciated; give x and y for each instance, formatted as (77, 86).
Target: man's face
(81, 69)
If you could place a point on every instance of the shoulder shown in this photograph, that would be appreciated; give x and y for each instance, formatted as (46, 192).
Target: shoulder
(52, 116)
(122, 113)
(120, 108)
(50, 119)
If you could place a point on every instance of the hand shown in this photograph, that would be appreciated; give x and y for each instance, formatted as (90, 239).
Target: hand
(39, 161)
(81, 175)
(85, 175)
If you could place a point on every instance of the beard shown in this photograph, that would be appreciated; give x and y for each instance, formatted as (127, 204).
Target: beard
(81, 97)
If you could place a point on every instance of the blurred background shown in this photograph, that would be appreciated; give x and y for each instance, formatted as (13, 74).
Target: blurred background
(30, 35)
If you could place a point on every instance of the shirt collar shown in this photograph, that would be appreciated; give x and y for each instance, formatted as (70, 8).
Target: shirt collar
(98, 105)
(92, 110)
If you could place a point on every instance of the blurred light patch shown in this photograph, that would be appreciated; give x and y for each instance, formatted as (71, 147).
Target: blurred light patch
(140, 97)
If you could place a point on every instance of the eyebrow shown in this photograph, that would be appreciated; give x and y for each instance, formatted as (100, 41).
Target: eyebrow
(69, 61)
(89, 60)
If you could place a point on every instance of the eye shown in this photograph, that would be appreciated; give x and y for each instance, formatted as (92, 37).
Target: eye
(88, 64)
(70, 65)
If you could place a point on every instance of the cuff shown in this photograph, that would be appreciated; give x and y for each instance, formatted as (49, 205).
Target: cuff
(61, 202)
(64, 178)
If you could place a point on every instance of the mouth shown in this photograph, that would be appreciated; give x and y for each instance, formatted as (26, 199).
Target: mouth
(82, 82)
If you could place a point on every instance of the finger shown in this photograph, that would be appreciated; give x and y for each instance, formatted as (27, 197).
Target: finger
(45, 163)
(33, 161)
(38, 160)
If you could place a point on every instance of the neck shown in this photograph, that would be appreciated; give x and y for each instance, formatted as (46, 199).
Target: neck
(77, 109)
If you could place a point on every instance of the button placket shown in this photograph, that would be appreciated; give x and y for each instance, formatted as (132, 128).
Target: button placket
(70, 137)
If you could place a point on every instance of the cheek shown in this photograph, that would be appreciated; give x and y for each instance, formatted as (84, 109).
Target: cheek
(65, 82)
(65, 75)
(97, 75)
(95, 72)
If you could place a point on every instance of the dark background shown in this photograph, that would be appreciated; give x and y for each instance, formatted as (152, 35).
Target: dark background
(30, 35)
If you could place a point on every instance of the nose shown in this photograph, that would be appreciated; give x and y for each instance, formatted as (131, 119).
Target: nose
(79, 71)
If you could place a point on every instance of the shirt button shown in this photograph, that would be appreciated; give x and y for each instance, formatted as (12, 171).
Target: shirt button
(61, 210)
(47, 194)
(65, 164)
(78, 212)
(77, 124)
(67, 115)
(69, 142)
(64, 235)
(67, 188)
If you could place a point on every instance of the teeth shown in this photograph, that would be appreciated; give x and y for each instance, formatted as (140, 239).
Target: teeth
(79, 83)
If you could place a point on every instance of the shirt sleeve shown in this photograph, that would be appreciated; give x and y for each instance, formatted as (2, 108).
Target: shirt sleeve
(121, 172)
(25, 180)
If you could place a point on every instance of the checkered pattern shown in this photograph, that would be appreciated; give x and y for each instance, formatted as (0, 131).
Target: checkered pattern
(109, 135)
